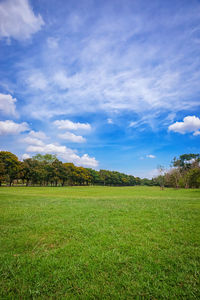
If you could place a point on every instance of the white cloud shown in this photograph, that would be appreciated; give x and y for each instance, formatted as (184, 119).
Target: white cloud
(7, 105)
(87, 161)
(132, 124)
(189, 124)
(85, 76)
(147, 173)
(25, 156)
(37, 134)
(65, 153)
(150, 156)
(61, 80)
(72, 137)
(67, 124)
(17, 19)
(153, 173)
(10, 127)
(33, 141)
(48, 148)
(110, 121)
(36, 80)
(196, 133)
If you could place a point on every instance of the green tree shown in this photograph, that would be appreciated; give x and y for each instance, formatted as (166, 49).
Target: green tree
(185, 161)
(194, 178)
(10, 165)
(2, 172)
(47, 158)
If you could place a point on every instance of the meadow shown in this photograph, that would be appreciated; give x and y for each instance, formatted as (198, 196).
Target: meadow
(99, 243)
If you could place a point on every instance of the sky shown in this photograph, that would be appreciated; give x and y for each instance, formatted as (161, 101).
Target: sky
(103, 84)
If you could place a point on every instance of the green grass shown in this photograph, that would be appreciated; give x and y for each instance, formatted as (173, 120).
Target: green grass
(99, 243)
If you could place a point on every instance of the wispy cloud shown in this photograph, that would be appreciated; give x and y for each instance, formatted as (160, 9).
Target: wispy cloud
(67, 124)
(91, 63)
(111, 74)
(150, 156)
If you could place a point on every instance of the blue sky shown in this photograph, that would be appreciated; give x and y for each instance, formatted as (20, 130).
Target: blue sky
(104, 84)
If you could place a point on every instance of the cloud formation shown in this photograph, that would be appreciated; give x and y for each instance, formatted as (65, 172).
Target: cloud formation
(189, 124)
(36, 143)
(71, 137)
(10, 127)
(36, 80)
(109, 121)
(100, 67)
(33, 141)
(150, 156)
(17, 19)
(38, 134)
(67, 124)
(25, 156)
(7, 105)
(65, 153)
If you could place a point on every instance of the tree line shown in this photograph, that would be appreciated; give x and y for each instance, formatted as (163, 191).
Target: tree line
(45, 170)
(184, 173)
(48, 170)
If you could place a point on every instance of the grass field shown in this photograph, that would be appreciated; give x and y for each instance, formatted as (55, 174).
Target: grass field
(99, 243)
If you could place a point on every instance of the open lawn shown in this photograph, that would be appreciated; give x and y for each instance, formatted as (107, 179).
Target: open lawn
(99, 243)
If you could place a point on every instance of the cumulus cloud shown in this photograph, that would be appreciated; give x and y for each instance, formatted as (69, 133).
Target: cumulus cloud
(7, 105)
(150, 156)
(65, 153)
(17, 19)
(189, 124)
(33, 141)
(37, 134)
(72, 137)
(9, 127)
(48, 148)
(25, 156)
(67, 124)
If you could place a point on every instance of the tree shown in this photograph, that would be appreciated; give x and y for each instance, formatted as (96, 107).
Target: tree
(69, 169)
(57, 171)
(185, 161)
(2, 172)
(9, 165)
(184, 164)
(172, 178)
(194, 178)
(161, 178)
(94, 175)
(33, 171)
(47, 158)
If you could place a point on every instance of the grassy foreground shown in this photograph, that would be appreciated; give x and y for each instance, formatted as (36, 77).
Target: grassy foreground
(99, 243)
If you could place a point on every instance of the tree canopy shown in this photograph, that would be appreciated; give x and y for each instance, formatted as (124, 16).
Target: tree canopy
(47, 169)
